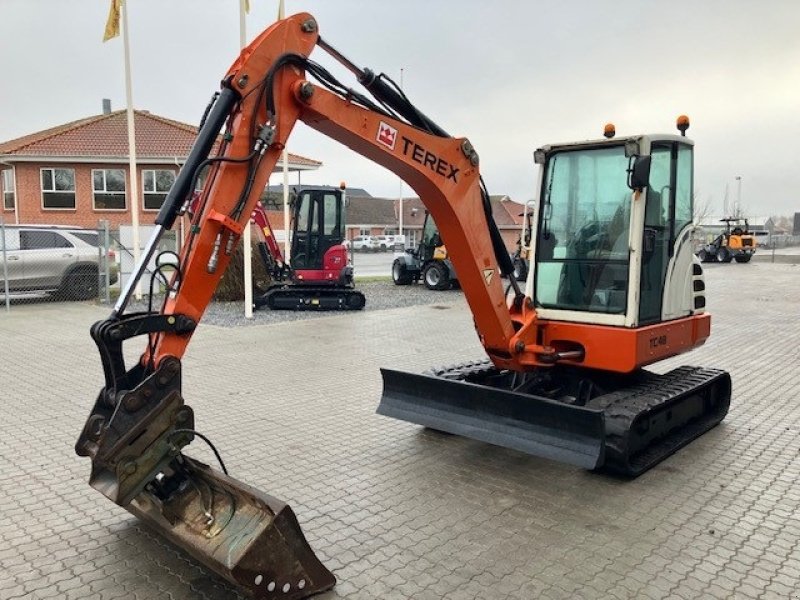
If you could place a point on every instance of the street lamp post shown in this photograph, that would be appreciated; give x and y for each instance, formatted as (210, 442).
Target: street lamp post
(738, 210)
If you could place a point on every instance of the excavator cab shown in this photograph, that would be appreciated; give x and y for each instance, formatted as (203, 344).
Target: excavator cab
(318, 231)
(603, 250)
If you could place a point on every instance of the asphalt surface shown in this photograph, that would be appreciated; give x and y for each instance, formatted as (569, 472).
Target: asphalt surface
(396, 511)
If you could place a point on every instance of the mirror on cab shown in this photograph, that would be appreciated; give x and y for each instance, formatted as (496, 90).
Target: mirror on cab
(639, 173)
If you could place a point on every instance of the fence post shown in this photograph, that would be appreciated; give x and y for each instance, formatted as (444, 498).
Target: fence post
(5, 262)
(107, 245)
(102, 264)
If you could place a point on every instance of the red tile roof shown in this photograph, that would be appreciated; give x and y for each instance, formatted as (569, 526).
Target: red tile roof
(107, 136)
(507, 213)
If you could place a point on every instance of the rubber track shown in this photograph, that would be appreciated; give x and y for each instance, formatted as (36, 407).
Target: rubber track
(327, 295)
(621, 409)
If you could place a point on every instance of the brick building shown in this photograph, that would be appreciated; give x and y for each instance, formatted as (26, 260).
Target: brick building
(78, 173)
(507, 214)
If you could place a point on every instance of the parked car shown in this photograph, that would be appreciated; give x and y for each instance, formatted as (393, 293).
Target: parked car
(364, 243)
(63, 261)
(385, 242)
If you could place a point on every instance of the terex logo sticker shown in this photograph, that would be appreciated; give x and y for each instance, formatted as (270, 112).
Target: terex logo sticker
(437, 164)
(387, 135)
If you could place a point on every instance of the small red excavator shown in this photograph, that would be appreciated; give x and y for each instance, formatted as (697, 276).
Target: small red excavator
(613, 286)
(318, 275)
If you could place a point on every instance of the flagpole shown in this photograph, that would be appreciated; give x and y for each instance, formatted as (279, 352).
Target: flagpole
(285, 161)
(246, 236)
(400, 200)
(134, 177)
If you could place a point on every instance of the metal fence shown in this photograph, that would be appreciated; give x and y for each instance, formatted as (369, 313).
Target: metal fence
(41, 263)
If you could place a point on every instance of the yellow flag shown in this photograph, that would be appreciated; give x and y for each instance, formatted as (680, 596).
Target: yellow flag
(281, 13)
(112, 25)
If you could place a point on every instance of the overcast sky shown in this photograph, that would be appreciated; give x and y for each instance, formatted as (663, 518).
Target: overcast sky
(510, 75)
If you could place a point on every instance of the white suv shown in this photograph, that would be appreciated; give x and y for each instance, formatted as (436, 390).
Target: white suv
(385, 242)
(365, 243)
(60, 260)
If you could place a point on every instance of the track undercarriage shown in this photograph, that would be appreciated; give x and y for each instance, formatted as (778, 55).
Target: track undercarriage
(622, 423)
(311, 297)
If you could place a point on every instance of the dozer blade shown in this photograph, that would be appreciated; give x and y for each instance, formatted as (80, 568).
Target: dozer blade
(524, 422)
(250, 538)
(636, 421)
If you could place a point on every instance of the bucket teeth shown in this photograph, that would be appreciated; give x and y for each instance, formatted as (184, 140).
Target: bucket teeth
(250, 538)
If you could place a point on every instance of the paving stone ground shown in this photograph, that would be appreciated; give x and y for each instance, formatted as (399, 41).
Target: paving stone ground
(397, 511)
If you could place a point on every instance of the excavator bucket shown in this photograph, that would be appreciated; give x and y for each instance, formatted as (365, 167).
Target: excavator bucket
(134, 439)
(248, 537)
(531, 424)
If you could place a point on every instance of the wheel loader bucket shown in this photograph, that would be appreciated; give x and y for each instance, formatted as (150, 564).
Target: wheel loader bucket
(530, 424)
(250, 538)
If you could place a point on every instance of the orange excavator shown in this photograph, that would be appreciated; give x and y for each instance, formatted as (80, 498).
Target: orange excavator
(613, 286)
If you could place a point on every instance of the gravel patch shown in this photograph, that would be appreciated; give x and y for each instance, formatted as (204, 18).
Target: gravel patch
(381, 295)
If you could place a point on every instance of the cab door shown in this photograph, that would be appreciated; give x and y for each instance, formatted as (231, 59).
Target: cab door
(319, 224)
(668, 212)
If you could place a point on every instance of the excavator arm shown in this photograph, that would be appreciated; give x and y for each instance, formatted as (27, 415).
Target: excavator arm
(272, 255)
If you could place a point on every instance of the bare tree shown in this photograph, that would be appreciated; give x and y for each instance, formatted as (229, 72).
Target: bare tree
(701, 208)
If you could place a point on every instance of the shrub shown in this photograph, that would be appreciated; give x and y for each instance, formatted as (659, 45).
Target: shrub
(231, 286)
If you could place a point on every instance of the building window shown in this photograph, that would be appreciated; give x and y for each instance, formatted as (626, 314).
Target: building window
(390, 231)
(58, 189)
(108, 186)
(365, 231)
(8, 189)
(156, 186)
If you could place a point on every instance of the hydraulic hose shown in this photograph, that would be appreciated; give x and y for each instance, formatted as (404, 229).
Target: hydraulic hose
(200, 151)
